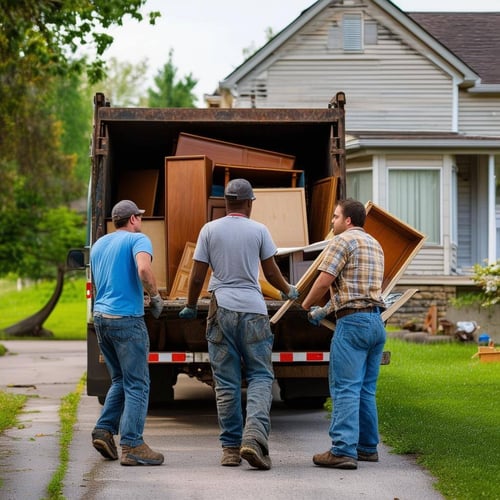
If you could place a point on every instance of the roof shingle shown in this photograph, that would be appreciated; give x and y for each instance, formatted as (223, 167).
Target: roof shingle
(472, 36)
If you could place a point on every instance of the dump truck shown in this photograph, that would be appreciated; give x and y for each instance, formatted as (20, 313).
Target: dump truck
(174, 163)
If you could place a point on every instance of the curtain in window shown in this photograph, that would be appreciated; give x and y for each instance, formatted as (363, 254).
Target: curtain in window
(359, 185)
(414, 198)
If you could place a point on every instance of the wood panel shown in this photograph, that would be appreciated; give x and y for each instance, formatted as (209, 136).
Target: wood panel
(155, 230)
(230, 153)
(188, 182)
(400, 242)
(139, 186)
(283, 211)
(323, 199)
(258, 177)
(216, 207)
(180, 285)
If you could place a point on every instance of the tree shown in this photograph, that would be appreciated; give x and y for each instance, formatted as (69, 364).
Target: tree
(171, 93)
(40, 143)
(123, 84)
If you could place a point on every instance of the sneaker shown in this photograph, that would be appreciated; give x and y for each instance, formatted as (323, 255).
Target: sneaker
(253, 453)
(363, 456)
(328, 459)
(230, 456)
(140, 455)
(104, 442)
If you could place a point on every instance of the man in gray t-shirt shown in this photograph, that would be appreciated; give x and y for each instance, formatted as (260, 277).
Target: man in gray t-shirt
(238, 329)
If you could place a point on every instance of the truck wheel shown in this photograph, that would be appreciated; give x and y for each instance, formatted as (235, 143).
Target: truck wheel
(304, 392)
(163, 378)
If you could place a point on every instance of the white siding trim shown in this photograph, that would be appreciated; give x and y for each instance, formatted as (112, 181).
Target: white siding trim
(454, 111)
(492, 230)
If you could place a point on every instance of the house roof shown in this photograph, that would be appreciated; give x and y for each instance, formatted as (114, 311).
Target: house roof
(472, 36)
(438, 38)
(357, 140)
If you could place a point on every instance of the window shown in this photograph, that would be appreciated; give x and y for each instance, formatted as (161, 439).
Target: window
(414, 197)
(359, 185)
(352, 33)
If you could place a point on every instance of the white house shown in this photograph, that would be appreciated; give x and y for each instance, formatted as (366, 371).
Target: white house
(422, 116)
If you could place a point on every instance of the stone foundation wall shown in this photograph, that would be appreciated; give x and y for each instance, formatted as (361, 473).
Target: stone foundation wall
(415, 310)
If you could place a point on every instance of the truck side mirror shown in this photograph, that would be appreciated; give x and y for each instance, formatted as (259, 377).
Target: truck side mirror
(76, 259)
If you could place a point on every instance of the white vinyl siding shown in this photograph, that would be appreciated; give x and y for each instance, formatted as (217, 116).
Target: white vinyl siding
(389, 86)
(479, 114)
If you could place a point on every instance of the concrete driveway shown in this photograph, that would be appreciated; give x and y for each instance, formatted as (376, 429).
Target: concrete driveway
(186, 433)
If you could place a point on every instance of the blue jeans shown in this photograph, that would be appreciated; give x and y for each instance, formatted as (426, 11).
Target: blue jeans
(124, 343)
(241, 341)
(355, 356)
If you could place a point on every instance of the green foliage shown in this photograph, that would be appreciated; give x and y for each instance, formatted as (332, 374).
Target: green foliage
(439, 403)
(10, 406)
(67, 321)
(42, 37)
(488, 278)
(170, 93)
(34, 242)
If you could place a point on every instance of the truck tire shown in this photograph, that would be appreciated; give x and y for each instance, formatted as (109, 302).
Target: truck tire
(163, 378)
(304, 393)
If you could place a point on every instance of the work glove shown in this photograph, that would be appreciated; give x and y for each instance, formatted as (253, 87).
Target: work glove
(188, 312)
(317, 313)
(293, 293)
(156, 305)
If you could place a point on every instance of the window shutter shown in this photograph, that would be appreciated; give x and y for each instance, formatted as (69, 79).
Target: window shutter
(352, 24)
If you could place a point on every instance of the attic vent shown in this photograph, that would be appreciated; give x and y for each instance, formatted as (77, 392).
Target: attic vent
(352, 30)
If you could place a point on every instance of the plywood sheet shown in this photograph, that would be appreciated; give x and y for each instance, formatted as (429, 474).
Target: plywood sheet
(283, 211)
(323, 199)
(155, 230)
(139, 186)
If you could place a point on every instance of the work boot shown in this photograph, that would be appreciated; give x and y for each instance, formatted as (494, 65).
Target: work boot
(253, 453)
(328, 459)
(104, 442)
(230, 456)
(140, 455)
(363, 456)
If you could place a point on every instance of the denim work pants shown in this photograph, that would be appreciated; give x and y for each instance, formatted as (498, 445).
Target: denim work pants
(124, 343)
(236, 339)
(355, 356)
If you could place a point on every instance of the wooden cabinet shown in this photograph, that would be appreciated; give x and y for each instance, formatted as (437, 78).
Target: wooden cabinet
(188, 182)
(154, 228)
(229, 153)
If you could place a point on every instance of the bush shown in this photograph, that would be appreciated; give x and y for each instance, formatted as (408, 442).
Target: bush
(488, 278)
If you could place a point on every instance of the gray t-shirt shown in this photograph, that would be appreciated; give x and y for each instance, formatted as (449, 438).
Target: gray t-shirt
(233, 247)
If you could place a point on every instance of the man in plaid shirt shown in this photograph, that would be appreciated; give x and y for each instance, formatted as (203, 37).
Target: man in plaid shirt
(352, 271)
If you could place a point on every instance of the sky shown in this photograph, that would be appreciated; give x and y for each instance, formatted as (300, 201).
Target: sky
(208, 37)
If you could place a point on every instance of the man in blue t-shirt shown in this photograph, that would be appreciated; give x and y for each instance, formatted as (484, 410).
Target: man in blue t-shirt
(121, 272)
(238, 329)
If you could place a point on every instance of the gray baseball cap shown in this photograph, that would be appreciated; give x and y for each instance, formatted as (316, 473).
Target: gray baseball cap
(239, 189)
(124, 209)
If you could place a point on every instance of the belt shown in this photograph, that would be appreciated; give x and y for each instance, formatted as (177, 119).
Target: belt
(346, 311)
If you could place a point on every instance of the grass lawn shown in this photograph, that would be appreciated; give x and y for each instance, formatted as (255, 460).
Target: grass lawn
(435, 401)
(68, 319)
(438, 403)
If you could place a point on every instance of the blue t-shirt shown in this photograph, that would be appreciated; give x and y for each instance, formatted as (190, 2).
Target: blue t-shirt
(233, 247)
(119, 289)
